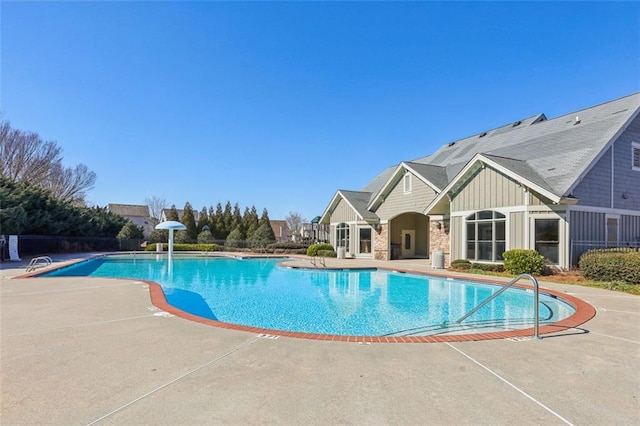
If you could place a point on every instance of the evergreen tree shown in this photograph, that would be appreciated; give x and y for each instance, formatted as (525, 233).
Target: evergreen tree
(173, 213)
(131, 232)
(234, 239)
(236, 221)
(219, 233)
(188, 219)
(264, 220)
(227, 218)
(251, 222)
(205, 237)
(262, 236)
(27, 209)
(182, 237)
(203, 220)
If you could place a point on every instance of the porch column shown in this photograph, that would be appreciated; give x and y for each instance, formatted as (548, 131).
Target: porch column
(381, 244)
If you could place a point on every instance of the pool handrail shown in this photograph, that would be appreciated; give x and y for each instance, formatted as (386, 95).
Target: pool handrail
(34, 263)
(536, 299)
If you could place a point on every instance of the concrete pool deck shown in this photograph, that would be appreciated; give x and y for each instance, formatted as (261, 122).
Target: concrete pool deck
(90, 350)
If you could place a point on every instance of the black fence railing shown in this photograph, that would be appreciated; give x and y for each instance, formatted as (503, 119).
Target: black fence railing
(578, 248)
(33, 245)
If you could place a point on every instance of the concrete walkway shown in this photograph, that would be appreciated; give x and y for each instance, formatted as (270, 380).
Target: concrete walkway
(96, 351)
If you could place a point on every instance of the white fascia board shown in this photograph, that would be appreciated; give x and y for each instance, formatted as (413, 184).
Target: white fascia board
(479, 158)
(422, 178)
(350, 205)
(550, 195)
(402, 167)
(331, 205)
(384, 188)
(454, 181)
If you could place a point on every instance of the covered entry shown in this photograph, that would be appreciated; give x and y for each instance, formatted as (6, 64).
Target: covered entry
(409, 236)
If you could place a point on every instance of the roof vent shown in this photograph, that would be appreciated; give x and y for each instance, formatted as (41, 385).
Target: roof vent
(451, 144)
(577, 120)
(482, 135)
(517, 123)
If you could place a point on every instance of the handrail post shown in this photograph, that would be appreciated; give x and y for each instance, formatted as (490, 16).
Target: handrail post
(536, 301)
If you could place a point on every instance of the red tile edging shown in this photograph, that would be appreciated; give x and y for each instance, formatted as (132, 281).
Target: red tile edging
(584, 312)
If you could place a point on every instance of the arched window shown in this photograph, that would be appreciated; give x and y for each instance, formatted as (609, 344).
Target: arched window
(486, 236)
(342, 236)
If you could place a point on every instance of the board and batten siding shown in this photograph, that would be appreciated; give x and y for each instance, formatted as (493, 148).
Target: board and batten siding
(343, 213)
(416, 222)
(489, 189)
(516, 233)
(397, 202)
(629, 228)
(587, 226)
(456, 238)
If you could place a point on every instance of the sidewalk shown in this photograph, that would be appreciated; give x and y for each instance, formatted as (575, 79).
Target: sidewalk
(90, 350)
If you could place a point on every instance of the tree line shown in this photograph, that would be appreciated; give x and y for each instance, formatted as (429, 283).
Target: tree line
(27, 209)
(217, 224)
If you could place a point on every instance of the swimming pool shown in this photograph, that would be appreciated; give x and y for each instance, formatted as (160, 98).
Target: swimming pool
(260, 293)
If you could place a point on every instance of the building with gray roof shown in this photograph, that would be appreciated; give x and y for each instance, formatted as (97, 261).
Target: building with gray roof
(559, 186)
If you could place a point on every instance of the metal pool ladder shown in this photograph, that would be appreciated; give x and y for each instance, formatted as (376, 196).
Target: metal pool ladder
(37, 262)
(536, 299)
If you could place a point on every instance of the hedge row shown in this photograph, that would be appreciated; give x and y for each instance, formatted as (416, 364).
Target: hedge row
(327, 253)
(186, 247)
(287, 246)
(464, 264)
(611, 265)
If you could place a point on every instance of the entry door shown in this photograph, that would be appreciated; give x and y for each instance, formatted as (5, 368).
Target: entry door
(408, 243)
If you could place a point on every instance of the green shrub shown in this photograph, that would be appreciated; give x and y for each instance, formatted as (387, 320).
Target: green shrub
(313, 248)
(611, 265)
(234, 239)
(182, 237)
(185, 247)
(287, 246)
(130, 232)
(521, 261)
(491, 267)
(326, 253)
(461, 264)
(205, 237)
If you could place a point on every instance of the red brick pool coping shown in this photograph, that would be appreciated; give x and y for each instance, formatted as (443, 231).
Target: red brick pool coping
(584, 312)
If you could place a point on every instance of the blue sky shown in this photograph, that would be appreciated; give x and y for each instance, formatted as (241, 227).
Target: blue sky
(279, 104)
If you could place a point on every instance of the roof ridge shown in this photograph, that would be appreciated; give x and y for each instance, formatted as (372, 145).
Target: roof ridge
(594, 106)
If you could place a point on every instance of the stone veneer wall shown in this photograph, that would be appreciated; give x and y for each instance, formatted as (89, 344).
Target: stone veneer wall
(381, 244)
(439, 239)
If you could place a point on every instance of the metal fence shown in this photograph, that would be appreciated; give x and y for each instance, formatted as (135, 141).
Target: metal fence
(578, 248)
(33, 245)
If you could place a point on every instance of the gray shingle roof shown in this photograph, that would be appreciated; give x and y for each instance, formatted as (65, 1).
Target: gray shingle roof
(437, 175)
(129, 210)
(558, 151)
(360, 200)
(552, 154)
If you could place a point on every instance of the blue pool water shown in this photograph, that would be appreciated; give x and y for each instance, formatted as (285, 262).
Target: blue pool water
(259, 293)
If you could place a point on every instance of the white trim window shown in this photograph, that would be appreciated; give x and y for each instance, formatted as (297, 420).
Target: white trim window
(342, 236)
(407, 183)
(547, 238)
(635, 156)
(364, 240)
(486, 236)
